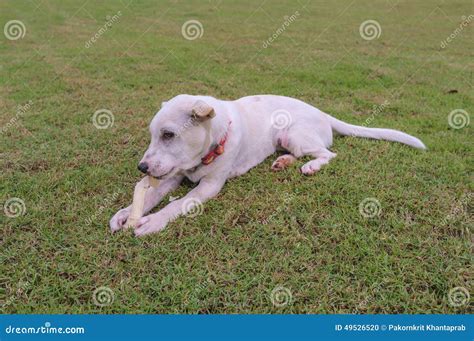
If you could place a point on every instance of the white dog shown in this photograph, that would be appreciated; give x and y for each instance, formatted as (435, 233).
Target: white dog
(209, 141)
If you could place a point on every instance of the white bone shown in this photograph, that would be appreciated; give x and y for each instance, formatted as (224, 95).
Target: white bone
(139, 199)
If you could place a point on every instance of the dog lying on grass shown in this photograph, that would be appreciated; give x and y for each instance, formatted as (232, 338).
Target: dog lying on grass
(209, 141)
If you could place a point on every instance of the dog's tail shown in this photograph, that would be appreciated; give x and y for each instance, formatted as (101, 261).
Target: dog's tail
(374, 133)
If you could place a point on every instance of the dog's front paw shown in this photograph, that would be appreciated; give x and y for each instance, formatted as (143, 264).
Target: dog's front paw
(283, 162)
(150, 224)
(119, 219)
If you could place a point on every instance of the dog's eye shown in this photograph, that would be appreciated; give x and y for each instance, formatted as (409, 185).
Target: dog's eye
(167, 135)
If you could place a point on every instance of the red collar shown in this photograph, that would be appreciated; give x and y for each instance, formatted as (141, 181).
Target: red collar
(217, 150)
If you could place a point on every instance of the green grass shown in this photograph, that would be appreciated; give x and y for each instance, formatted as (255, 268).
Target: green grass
(264, 229)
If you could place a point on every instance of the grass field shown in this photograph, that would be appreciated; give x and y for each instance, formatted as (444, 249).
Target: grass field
(302, 238)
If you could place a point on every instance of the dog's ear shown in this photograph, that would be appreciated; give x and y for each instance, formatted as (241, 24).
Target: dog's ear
(203, 110)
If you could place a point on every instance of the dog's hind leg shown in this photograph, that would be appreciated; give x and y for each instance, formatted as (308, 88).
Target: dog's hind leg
(323, 156)
(302, 142)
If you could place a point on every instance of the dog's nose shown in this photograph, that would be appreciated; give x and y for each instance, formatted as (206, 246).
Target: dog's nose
(143, 167)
